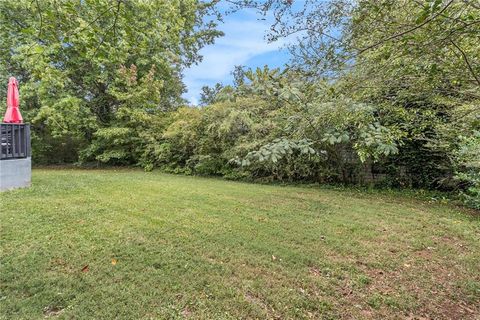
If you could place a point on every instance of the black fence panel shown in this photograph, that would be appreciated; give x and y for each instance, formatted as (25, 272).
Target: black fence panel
(14, 141)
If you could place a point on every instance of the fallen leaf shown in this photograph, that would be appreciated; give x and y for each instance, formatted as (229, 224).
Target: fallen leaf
(85, 268)
(114, 261)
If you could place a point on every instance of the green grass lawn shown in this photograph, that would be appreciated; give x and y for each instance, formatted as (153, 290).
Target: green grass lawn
(126, 244)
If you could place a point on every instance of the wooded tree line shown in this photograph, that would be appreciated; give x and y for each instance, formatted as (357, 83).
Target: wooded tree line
(389, 86)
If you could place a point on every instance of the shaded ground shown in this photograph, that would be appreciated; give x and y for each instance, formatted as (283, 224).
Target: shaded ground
(127, 244)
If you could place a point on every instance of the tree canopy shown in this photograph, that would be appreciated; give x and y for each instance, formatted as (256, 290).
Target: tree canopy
(74, 59)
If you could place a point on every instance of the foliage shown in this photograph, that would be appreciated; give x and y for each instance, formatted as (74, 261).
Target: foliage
(208, 94)
(67, 57)
(180, 140)
(124, 140)
(469, 168)
(416, 65)
(274, 126)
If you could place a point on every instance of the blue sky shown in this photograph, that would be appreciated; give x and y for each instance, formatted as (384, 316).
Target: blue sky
(243, 44)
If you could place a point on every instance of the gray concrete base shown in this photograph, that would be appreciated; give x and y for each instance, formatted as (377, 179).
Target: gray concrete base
(15, 173)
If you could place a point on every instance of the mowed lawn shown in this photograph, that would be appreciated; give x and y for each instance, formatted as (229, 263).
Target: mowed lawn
(125, 244)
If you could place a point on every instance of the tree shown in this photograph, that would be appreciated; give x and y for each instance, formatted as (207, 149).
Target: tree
(416, 62)
(339, 35)
(67, 56)
(209, 94)
(238, 74)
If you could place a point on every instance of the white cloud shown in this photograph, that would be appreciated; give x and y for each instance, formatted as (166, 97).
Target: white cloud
(243, 40)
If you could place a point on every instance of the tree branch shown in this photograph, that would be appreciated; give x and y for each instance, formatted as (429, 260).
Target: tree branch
(41, 19)
(465, 58)
(112, 27)
(401, 34)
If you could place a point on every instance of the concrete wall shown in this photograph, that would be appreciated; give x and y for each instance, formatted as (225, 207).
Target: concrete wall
(15, 173)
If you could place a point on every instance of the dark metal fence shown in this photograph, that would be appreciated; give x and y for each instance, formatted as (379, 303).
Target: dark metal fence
(14, 141)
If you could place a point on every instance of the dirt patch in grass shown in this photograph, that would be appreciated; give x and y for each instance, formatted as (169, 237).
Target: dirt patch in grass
(52, 311)
(421, 298)
(255, 300)
(60, 265)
